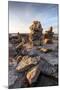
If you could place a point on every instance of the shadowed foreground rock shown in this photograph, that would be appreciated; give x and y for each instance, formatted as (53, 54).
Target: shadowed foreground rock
(31, 74)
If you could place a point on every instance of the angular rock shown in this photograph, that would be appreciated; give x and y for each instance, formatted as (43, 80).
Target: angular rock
(12, 62)
(15, 80)
(33, 74)
(48, 36)
(27, 62)
(47, 41)
(33, 52)
(19, 46)
(12, 50)
(21, 81)
(47, 68)
(45, 50)
(19, 59)
(12, 76)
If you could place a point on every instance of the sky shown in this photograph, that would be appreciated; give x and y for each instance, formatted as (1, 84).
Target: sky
(22, 14)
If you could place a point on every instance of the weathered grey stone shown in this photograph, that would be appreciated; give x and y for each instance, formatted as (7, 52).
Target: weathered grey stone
(47, 68)
(33, 52)
(12, 76)
(12, 50)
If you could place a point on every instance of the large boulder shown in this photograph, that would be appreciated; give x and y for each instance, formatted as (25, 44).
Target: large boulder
(27, 62)
(35, 37)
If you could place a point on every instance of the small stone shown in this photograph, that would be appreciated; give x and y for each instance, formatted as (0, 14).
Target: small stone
(12, 50)
(45, 50)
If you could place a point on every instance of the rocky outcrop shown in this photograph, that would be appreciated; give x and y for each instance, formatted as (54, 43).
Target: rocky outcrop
(48, 36)
(35, 36)
(29, 59)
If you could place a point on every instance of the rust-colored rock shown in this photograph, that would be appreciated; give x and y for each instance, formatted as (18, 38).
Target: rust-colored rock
(48, 36)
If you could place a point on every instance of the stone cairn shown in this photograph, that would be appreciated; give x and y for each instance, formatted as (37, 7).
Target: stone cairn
(35, 37)
(48, 36)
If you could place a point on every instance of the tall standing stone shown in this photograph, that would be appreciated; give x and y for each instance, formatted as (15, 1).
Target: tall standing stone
(35, 36)
(48, 36)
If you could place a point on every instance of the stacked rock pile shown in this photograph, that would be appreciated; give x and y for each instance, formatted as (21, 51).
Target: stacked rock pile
(35, 36)
(48, 36)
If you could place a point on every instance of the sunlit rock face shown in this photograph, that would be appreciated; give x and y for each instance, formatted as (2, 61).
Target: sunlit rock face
(48, 36)
(35, 36)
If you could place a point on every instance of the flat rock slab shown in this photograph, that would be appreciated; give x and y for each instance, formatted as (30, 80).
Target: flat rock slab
(50, 57)
(47, 68)
(44, 80)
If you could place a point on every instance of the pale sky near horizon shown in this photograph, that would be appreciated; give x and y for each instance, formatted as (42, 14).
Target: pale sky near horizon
(21, 15)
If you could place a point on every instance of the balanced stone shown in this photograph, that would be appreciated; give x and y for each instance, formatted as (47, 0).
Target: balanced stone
(48, 36)
(35, 36)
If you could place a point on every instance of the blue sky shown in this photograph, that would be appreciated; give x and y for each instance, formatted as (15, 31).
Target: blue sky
(21, 15)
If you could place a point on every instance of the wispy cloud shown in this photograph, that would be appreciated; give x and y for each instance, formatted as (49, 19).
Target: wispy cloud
(22, 14)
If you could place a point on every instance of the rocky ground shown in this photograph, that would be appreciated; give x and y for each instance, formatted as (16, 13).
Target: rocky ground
(32, 66)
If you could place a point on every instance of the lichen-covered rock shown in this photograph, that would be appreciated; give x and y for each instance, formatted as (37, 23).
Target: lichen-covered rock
(27, 62)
